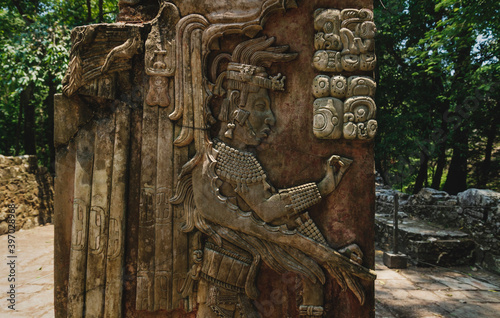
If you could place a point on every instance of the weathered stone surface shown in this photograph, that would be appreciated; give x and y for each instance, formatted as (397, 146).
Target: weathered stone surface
(63, 207)
(442, 252)
(392, 260)
(214, 128)
(475, 211)
(71, 114)
(29, 188)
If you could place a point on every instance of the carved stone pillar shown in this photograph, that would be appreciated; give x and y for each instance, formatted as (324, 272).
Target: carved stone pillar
(215, 159)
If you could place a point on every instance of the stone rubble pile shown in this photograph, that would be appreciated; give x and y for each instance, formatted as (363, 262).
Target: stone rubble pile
(30, 188)
(474, 211)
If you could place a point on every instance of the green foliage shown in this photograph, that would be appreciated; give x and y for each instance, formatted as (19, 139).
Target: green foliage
(438, 82)
(34, 51)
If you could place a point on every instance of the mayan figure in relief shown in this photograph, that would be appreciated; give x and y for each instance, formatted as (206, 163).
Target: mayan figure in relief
(240, 218)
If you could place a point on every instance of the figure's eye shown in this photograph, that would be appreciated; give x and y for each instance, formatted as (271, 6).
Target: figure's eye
(260, 106)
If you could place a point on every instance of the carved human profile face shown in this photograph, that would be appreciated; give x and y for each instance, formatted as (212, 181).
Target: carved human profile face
(260, 120)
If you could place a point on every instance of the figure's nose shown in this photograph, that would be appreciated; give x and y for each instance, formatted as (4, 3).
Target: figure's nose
(270, 119)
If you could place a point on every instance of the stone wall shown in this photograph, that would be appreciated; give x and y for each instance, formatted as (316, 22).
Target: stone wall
(30, 188)
(474, 211)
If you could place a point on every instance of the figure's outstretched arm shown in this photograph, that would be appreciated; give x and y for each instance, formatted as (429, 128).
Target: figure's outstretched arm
(289, 202)
(217, 210)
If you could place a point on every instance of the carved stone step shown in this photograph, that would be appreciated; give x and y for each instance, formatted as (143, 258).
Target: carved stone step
(426, 243)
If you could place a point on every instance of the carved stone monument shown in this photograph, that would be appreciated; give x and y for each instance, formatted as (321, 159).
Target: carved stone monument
(200, 174)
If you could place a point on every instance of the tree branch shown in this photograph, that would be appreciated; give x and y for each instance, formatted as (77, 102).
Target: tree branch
(19, 8)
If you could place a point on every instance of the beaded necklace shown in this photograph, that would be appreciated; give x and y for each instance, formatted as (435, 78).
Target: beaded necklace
(237, 166)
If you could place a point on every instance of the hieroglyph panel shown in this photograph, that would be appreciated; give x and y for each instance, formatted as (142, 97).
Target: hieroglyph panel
(344, 40)
(344, 43)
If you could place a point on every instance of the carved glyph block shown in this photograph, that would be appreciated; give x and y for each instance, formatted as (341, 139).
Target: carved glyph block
(352, 17)
(327, 122)
(327, 20)
(338, 86)
(327, 23)
(344, 40)
(361, 86)
(327, 61)
(350, 62)
(321, 86)
(359, 114)
(368, 62)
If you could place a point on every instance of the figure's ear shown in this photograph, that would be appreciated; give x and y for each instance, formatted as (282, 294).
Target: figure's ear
(218, 89)
(234, 98)
(240, 115)
(228, 104)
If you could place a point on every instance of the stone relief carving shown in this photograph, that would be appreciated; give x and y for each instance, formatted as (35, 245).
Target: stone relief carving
(345, 43)
(321, 86)
(338, 86)
(245, 221)
(356, 114)
(201, 192)
(360, 86)
(359, 112)
(160, 55)
(328, 118)
(98, 53)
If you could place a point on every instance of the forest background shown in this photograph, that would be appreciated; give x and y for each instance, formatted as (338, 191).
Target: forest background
(438, 88)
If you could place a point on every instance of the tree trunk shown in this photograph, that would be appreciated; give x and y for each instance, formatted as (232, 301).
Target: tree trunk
(89, 11)
(441, 163)
(29, 120)
(484, 171)
(456, 181)
(422, 173)
(49, 104)
(101, 12)
(17, 143)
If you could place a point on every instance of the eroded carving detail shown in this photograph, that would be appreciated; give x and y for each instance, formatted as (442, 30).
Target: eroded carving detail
(79, 231)
(358, 118)
(361, 86)
(159, 55)
(98, 51)
(96, 230)
(328, 118)
(344, 41)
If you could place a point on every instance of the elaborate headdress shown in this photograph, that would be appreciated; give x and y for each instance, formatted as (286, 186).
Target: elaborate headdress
(246, 72)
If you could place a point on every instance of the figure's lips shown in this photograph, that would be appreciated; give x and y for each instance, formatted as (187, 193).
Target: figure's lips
(264, 133)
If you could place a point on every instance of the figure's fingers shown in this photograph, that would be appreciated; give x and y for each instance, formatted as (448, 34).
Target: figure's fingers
(356, 258)
(346, 161)
(354, 248)
(333, 159)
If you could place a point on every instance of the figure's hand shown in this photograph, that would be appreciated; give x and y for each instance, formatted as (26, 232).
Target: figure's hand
(353, 252)
(336, 166)
(346, 278)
